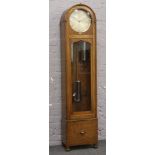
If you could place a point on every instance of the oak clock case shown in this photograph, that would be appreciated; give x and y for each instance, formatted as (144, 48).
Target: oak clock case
(78, 65)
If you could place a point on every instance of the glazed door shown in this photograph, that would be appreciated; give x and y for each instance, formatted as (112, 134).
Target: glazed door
(81, 76)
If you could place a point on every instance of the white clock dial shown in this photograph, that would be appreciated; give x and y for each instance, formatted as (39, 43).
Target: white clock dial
(80, 21)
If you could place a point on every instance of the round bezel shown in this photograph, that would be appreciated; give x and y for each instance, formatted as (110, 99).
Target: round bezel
(80, 20)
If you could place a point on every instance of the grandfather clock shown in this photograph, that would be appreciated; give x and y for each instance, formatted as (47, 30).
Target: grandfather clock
(78, 57)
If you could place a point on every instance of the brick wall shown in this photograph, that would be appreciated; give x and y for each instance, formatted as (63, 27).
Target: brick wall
(57, 7)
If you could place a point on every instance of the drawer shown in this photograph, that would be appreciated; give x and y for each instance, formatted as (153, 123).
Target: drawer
(82, 132)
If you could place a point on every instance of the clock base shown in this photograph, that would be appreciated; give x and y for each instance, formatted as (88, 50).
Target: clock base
(80, 132)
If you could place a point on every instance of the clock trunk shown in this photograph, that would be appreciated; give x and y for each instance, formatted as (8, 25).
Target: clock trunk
(78, 65)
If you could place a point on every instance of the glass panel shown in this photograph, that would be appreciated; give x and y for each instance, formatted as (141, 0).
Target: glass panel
(80, 55)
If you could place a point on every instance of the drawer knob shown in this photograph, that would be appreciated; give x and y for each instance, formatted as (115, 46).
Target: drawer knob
(82, 132)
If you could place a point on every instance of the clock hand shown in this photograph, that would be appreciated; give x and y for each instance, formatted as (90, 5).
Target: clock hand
(75, 17)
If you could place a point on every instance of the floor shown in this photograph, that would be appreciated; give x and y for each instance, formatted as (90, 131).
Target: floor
(80, 150)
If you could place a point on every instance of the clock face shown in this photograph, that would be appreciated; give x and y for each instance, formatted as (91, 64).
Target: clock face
(80, 21)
